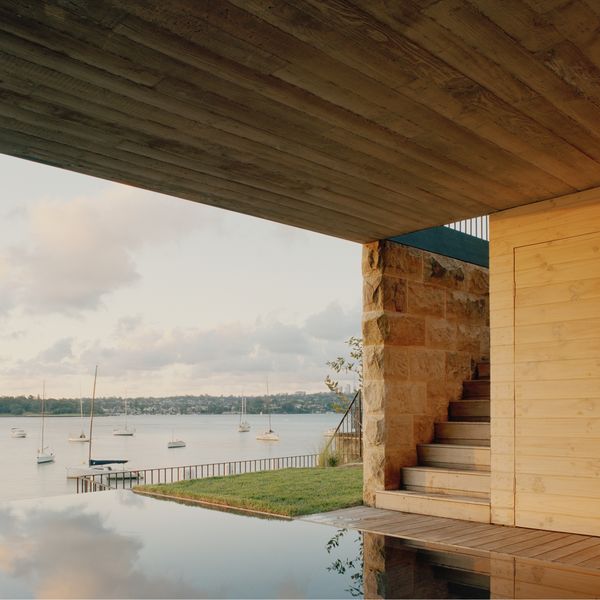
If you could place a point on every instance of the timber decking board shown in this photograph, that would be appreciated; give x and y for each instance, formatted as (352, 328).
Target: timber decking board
(570, 550)
(361, 119)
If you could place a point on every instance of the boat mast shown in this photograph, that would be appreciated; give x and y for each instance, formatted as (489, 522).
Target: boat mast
(92, 416)
(269, 404)
(43, 401)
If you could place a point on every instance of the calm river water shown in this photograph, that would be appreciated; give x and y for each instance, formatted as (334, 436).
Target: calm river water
(209, 438)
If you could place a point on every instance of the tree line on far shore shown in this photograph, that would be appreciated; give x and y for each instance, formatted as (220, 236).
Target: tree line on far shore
(175, 405)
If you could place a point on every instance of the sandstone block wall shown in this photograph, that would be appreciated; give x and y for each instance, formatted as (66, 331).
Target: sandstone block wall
(425, 325)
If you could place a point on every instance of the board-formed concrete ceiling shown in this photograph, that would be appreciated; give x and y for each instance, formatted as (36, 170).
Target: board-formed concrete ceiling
(361, 119)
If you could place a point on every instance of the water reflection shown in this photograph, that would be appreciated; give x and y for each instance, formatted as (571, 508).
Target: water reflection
(118, 545)
(396, 568)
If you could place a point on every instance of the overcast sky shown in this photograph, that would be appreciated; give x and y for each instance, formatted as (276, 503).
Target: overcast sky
(167, 296)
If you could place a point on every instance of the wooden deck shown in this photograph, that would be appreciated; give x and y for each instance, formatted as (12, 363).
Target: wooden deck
(561, 549)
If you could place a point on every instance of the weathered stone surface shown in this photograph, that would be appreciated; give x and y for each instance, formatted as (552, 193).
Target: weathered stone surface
(467, 307)
(374, 430)
(393, 329)
(427, 300)
(427, 365)
(423, 429)
(440, 333)
(445, 272)
(403, 261)
(459, 366)
(384, 292)
(478, 281)
(386, 362)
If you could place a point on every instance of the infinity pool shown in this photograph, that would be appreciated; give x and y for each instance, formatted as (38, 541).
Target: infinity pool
(121, 545)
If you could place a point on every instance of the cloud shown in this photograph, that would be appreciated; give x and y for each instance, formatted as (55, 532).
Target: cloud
(79, 250)
(73, 554)
(193, 358)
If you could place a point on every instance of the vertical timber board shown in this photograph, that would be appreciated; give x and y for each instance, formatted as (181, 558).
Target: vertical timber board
(545, 355)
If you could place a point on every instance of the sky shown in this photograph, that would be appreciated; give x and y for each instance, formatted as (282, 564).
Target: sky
(165, 295)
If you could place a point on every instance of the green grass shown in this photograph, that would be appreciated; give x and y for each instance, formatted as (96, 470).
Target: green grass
(289, 492)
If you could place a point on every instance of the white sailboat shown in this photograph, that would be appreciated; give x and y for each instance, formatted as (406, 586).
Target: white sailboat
(100, 466)
(124, 431)
(82, 437)
(44, 454)
(175, 443)
(17, 432)
(268, 435)
(244, 426)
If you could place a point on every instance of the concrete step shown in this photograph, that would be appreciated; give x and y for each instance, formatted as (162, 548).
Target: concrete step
(453, 482)
(464, 433)
(437, 505)
(453, 456)
(476, 388)
(469, 410)
(483, 370)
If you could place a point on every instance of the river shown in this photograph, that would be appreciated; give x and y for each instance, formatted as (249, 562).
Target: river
(209, 438)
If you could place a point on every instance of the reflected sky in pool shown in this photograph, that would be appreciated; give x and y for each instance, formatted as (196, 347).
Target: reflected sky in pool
(121, 545)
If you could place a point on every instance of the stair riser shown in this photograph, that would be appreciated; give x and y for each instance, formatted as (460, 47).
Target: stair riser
(475, 484)
(477, 388)
(458, 457)
(483, 370)
(466, 434)
(469, 410)
(437, 507)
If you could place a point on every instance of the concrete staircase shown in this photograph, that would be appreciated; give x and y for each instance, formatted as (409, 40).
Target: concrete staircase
(452, 478)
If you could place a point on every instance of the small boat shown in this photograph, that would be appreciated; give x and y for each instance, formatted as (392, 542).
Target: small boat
(268, 435)
(17, 432)
(176, 444)
(124, 431)
(44, 454)
(244, 426)
(81, 437)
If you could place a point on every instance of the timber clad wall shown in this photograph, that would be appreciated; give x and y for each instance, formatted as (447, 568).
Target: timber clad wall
(545, 355)
(425, 324)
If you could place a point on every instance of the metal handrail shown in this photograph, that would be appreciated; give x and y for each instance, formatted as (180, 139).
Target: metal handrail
(127, 479)
(354, 411)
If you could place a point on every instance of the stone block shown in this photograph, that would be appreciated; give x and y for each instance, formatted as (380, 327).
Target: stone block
(407, 397)
(399, 429)
(403, 261)
(459, 366)
(385, 362)
(478, 280)
(444, 272)
(423, 429)
(373, 474)
(372, 258)
(373, 396)
(474, 339)
(384, 292)
(393, 329)
(427, 365)
(427, 300)
(467, 308)
(374, 430)
(440, 333)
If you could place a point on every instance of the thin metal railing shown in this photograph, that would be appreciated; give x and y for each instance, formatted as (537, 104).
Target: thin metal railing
(478, 227)
(128, 479)
(345, 444)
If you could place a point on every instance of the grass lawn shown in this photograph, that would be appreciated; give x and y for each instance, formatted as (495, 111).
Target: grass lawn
(289, 492)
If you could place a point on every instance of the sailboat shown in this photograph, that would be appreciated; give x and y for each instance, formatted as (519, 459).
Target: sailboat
(175, 443)
(44, 454)
(100, 466)
(124, 430)
(244, 426)
(81, 437)
(269, 435)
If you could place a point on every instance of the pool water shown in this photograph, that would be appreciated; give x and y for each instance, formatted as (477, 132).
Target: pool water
(118, 544)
